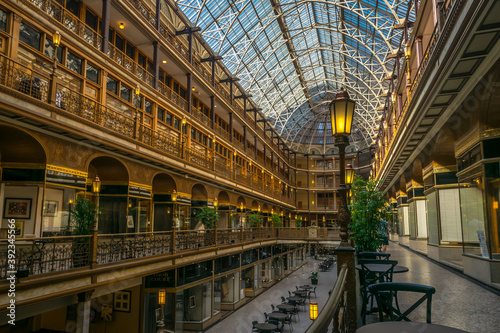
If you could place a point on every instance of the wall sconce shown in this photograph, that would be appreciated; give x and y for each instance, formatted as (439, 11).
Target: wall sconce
(56, 39)
(313, 310)
(122, 26)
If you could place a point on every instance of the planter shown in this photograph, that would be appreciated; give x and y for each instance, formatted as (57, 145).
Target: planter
(314, 281)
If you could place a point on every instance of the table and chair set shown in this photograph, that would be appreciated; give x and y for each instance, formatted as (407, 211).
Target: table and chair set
(376, 271)
(283, 314)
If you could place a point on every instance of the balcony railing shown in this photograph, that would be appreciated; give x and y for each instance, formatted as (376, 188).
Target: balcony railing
(55, 254)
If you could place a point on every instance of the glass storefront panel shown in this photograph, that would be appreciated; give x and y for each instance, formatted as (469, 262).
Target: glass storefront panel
(411, 220)
(403, 221)
(432, 219)
(421, 218)
(196, 303)
(55, 217)
(472, 214)
(493, 197)
(451, 230)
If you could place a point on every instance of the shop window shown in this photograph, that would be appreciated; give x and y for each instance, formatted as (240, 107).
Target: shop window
(49, 50)
(151, 67)
(112, 85)
(72, 6)
(3, 20)
(111, 35)
(29, 36)
(148, 107)
(141, 60)
(130, 51)
(91, 20)
(119, 42)
(74, 63)
(161, 114)
(125, 93)
(168, 119)
(182, 92)
(92, 73)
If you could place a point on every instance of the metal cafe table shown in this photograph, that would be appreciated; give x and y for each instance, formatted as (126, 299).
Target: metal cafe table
(301, 293)
(305, 287)
(266, 327)
(406, 327)
(381, 268)
(278, 316)
(295, 299)
(286, 307)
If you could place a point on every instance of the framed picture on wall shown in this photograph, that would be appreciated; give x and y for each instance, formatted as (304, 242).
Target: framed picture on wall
(50, 208)
(122, 301)
(17, 208)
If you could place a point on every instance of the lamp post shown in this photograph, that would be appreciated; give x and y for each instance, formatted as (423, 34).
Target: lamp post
(96, 189)
(342, 112)
(136, 120)
(174, 200)
(160, 324)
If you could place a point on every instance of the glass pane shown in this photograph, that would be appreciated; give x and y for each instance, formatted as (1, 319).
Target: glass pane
(3, 20)
(74, 63)
(49, 50)
(125, 93)
(148, 107)
(112, 85)
(29, 36)
(161, 114)
(451, 230)
(92, 73)
(91, 20)
(432, 219)
(119, 43)
(72, 6)
(130, 51)
(472, 213)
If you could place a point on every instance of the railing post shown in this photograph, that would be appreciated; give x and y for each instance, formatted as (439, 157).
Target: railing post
(52, 88)
(215, 235)
(172, 241)
(93, 249)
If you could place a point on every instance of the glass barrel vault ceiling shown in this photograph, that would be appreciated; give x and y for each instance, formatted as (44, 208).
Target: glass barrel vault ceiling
(293, 56)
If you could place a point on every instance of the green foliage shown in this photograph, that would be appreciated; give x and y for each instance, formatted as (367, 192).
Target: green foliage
(368, 209)
(276, 220)
(254, 220)
(314, 276)
(298, 221)
(208, 217)
(82, 216)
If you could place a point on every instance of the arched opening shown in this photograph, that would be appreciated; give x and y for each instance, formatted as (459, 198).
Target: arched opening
(224, 210)
(416, 174)
(199, 198)
(23, 169)
(165, 208)
(117, 213)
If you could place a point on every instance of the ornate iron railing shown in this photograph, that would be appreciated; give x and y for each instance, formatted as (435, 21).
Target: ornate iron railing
(54, 254)
(24, 80)
(46, 255)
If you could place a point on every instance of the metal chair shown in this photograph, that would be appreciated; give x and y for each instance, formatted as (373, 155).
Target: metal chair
(313, 292)
(255, 329)
(367, 277)
(387, 292)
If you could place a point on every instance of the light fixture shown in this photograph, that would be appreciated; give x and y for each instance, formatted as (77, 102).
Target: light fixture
(164, 61)
(174, 196)
(349, 174)
(122, 26)
(193, 89)
(324, 218)
(407, 50)
(184, 121)
(241, 206)
(313, 310)
(393, 97)
(56, 39)
(341, 112)
(137, 90)
(96, 185)
(258, 209)
(161, 297)
(215, 202)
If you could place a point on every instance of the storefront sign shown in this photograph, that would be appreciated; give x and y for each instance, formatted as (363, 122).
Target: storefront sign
(183, 199)
(161, 280)
(139, 190)
(66, 177)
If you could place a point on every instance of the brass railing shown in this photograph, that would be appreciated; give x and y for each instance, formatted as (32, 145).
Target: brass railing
(335, 308)
(62, 253)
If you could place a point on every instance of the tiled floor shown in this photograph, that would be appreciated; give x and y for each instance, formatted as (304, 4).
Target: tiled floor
(458, 302)
(241, 320)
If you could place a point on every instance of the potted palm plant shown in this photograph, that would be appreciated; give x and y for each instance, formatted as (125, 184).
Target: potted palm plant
(314, 277)
(254, 220)
(298, 221)
(208, 217)
(368, 209)
(276, 220)
(81, 220)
